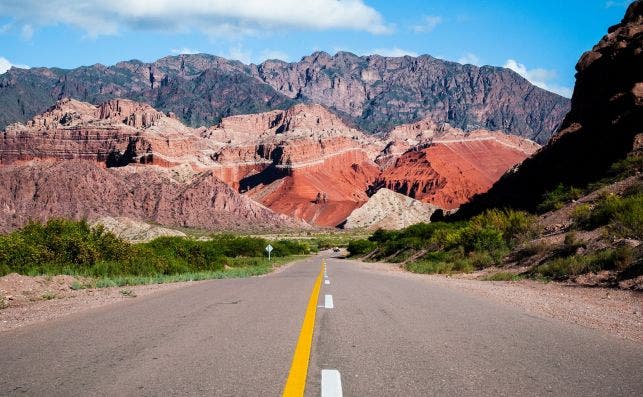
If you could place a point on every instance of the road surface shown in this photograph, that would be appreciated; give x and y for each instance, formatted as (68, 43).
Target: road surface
(384, 336)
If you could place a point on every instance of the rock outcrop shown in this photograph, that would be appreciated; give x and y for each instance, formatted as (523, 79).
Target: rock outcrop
(389, 210)
(135, 231)
(373, 92)
(604, 125)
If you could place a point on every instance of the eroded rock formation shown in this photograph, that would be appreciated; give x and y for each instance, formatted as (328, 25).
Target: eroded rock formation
(304, 162)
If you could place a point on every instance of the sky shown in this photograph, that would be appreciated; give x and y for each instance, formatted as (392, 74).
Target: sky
(540, 39)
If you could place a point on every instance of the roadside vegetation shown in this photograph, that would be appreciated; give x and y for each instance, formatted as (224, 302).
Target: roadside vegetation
(75, 248)
(597, 231)
(441, 247)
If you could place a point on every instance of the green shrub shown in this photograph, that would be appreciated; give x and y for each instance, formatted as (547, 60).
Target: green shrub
(581, 214)
(73, 247)
(361, 247)
(624, 215)
(608, 259)
(290, 247)
(476, 238)
(558, 197)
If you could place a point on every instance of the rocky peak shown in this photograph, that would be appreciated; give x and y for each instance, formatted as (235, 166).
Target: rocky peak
(131, 113)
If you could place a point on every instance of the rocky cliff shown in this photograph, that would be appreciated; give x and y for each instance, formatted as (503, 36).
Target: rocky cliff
(373, 92)
(604, 125)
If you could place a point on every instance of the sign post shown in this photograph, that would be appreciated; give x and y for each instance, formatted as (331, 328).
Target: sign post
(269, 249)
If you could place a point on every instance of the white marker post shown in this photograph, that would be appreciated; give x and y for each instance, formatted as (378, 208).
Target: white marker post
(269, 249)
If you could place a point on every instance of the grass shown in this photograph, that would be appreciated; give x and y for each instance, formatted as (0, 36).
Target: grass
(235, 272)
(503, 276)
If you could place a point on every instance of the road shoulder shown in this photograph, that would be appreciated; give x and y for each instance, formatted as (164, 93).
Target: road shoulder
(612, 311)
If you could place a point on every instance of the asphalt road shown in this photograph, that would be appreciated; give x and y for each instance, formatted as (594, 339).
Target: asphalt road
(385, 335)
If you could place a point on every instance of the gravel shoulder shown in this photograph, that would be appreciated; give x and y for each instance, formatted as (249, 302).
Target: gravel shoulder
(612, 311)
(30, 300)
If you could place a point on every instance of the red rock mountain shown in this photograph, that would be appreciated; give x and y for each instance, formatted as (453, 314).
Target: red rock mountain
(123, 158)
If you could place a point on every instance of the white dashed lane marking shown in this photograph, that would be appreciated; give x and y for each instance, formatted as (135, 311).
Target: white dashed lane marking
(328, 302)
(331, 383)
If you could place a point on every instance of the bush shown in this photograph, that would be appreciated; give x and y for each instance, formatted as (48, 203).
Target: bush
(290, 247)
(624, 215)
(73, 247)
(557, 198)
(361, 247)
(608, 259)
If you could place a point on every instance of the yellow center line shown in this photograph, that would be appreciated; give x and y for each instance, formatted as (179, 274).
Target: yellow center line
(296, 383)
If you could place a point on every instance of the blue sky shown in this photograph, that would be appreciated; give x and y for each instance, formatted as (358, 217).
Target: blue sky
(542, 40)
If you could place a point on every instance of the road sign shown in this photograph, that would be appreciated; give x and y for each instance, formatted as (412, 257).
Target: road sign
(269, 249)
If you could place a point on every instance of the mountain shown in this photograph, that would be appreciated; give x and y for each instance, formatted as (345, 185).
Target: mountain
(604, 125)
(82, 189)
(304, 162)
(373, 93)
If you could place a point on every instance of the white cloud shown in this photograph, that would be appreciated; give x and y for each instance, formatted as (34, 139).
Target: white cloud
(26, 32)
(392, 52)
(214, 17)
(539, 77)
(429, 22)
(469, 58)
(238, 53)
(185, 50)
(5, 65)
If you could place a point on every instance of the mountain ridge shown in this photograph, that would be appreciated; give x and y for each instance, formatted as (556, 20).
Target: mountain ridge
(372, 92)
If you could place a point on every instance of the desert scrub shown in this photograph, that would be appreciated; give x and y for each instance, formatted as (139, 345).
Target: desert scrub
(608, 259)
(128, 293)
(622, 215)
